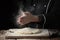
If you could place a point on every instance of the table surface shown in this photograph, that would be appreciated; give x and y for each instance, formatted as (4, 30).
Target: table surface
(12, 35)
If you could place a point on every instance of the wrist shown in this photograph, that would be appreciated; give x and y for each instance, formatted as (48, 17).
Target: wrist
(35, 19)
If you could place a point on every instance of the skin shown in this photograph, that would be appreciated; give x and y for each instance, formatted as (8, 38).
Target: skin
(27, 17)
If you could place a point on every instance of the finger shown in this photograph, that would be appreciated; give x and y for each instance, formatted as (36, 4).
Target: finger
(22, 19)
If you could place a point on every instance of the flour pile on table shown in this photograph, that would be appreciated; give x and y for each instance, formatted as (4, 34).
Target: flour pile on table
(28, 31)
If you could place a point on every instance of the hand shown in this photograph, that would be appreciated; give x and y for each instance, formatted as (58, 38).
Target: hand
(26, 18)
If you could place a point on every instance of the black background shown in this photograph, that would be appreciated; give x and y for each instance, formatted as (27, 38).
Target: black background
(8, 7)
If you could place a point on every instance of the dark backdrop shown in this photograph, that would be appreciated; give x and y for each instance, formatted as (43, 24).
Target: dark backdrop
(9, 7)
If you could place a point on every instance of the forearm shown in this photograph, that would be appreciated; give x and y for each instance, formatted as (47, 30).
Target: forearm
(40, 18)
(35, 19)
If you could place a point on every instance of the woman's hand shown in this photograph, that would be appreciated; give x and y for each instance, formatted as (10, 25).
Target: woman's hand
(26, 18)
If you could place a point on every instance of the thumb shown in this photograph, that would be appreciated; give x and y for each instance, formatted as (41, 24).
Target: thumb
(27, 13)
(23, 14)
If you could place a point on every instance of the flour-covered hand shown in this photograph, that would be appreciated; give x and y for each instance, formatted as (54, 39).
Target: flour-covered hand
(26, 18)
